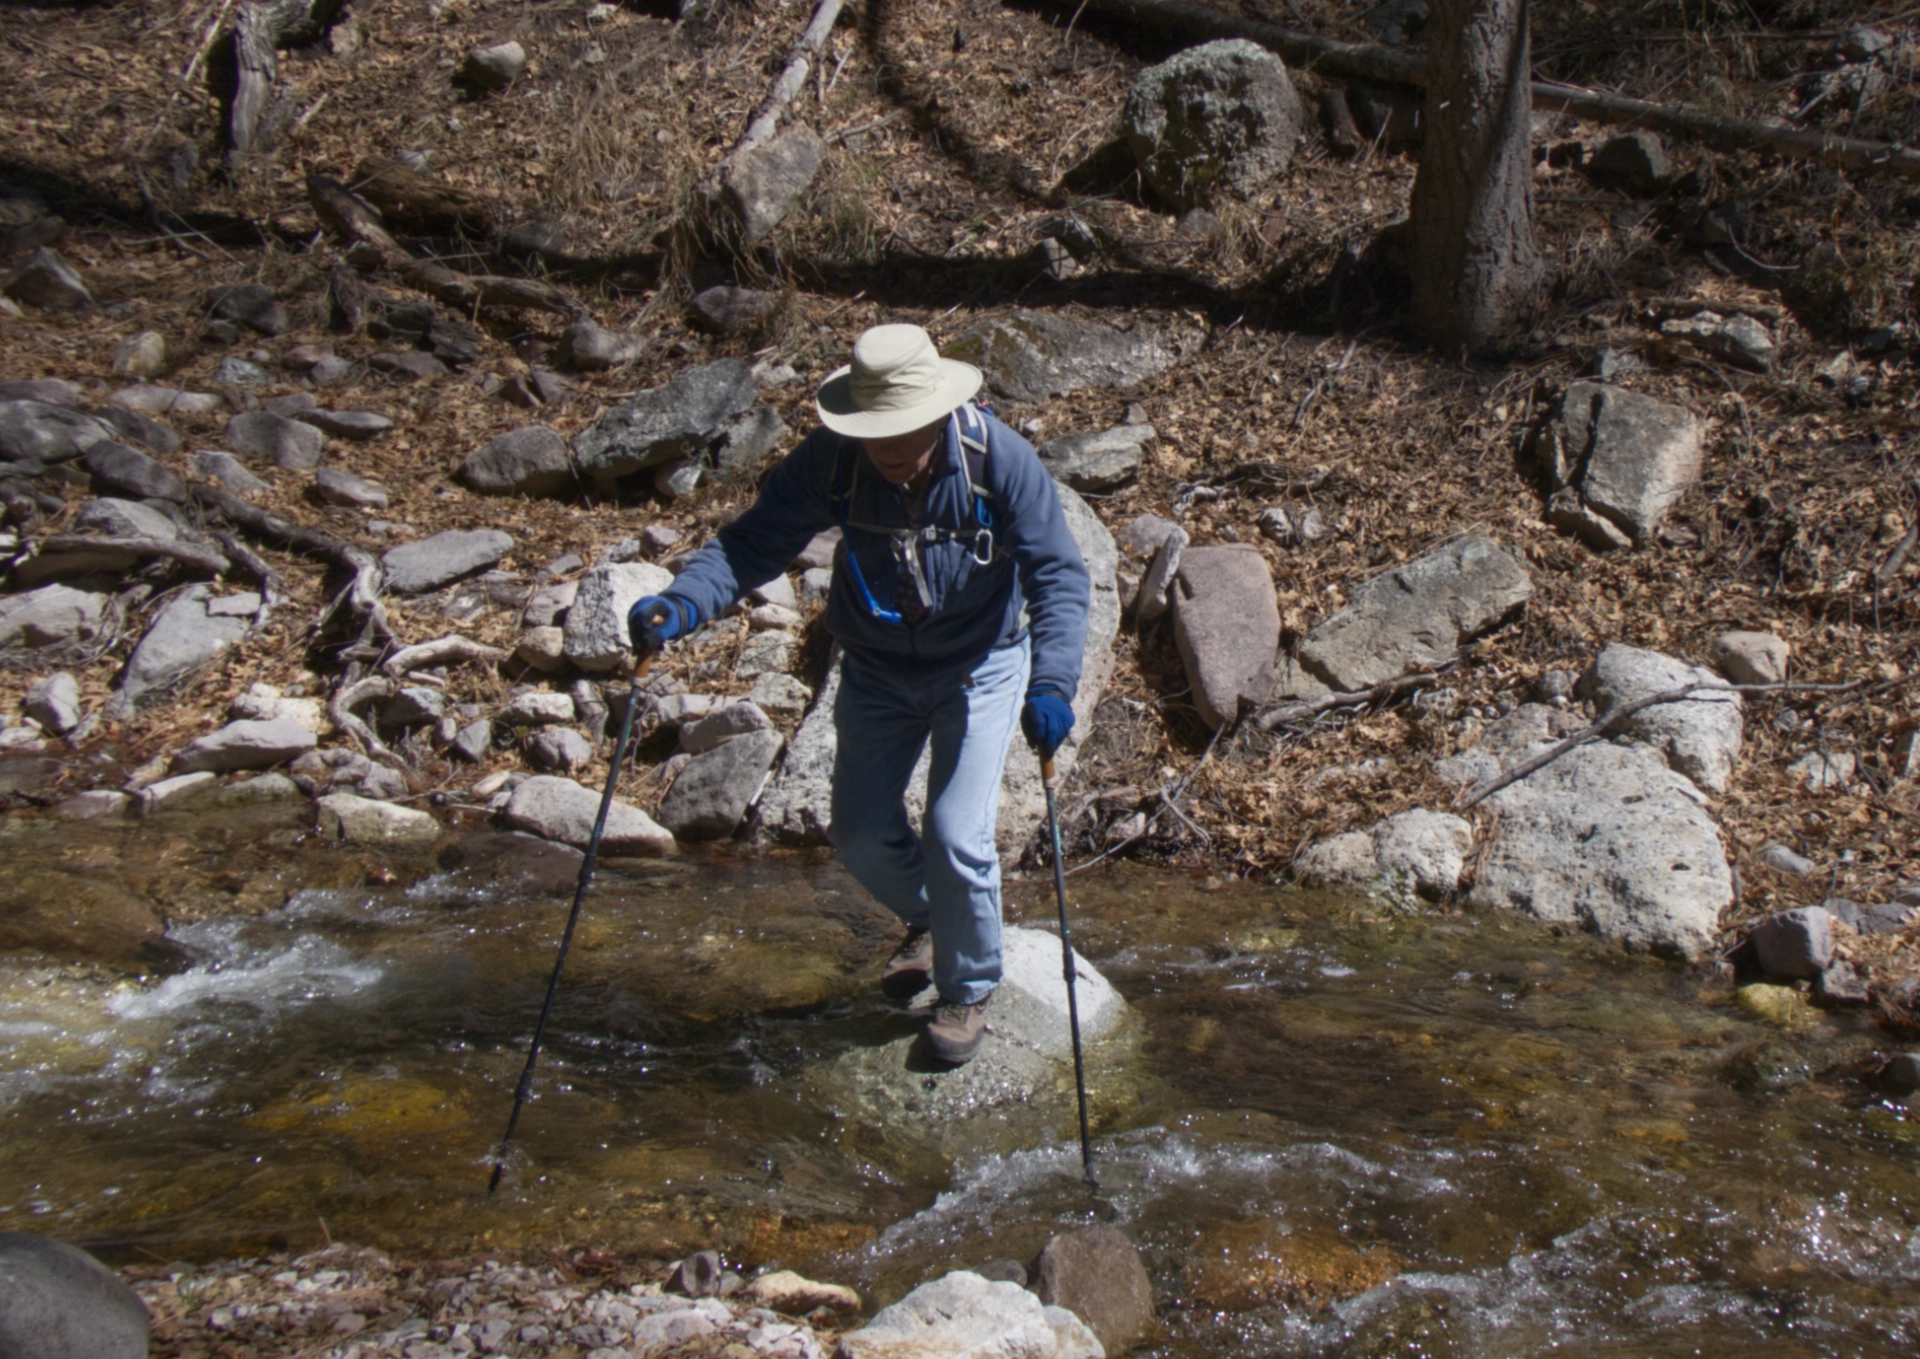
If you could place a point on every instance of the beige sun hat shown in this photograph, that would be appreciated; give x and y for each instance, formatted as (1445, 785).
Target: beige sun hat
(897, 383)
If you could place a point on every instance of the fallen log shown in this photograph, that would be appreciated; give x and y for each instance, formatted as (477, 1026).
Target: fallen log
(793, 76)
(1362, 61)
(258, 30)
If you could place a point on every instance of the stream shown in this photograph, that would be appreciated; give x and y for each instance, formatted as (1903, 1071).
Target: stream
(1364, 1134)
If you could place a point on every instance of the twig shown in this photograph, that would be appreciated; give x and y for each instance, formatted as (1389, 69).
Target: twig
(1619, 716)
(1313, 392)
(1293, 712)
(1168, 796)
(766, 118)
(272, 588)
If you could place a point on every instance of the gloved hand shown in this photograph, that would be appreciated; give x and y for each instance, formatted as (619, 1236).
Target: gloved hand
(1045, 720)
(657, 620)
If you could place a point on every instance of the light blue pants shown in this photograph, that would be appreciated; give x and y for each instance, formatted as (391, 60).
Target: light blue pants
(947, 877)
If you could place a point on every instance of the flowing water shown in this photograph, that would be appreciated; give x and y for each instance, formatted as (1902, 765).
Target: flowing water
(1367, 1135)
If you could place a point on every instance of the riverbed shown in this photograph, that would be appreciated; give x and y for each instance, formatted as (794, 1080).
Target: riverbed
(1360, 1133)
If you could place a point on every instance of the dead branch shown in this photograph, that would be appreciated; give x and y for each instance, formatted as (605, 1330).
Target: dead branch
(793, 76)
(357, 224)
(273, 589)
(1618, 717)
(1168, 795)
(257, 31)
(1367, 62)
(341, 710)
(1294, 712)
(196, 555)
(441, 651)
(361, 597)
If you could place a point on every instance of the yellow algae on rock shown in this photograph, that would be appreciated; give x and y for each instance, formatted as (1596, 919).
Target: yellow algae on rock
(1781, 1005)
(367, 1107)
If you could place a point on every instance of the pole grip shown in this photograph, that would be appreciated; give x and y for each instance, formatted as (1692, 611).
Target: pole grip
(1047, 775)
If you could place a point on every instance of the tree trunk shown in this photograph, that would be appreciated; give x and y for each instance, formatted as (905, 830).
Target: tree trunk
(1477, 268)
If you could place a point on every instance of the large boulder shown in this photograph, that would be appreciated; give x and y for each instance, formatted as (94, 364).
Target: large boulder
(595, 637)
(1415, 856)
(1606, 838)
(529, 461)
(1096, 1274)
(665, 424)
(182, 639)
(712, 795)
(47, 281)
(1414, 617)
(1099, 461)
(1035, 356)
(1699, 738)
(115, 467)
(58, 1302)
(1220, 118)
(1226, 623)
(794, 809)
(1627, 458)
(963, 1316)
(555, 808)
(371, 821)
(40, 431)
(52, 615)
(110, 517)
(415, 568)
(247, 745)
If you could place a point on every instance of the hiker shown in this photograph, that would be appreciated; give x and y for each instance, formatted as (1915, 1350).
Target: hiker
(959, 601)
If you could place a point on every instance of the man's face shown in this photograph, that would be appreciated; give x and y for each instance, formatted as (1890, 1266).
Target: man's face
(902, 457)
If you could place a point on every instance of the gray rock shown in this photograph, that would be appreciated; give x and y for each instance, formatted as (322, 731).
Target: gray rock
(736, 719)
(1156, 593)
(1416, 617)
(1825, 770)
(1567, 512)
(1145, 532)
(58, 1302)
(293, 405)
(1635, 161)
(1794, 945)
(156, 400)
(767, 653)
(179, 642)
(115, 467)
(38, 431)
(337, 486)
(243, 605)
(816, 583)
(51, 391)
(665, 424)
(141, 429)
(1098, 462)
(1096, 1274)
(588, 347)
(473, 742)
(229, 471)
(1415, 856)
(561, 749)
(545, 649)
(1218, 119)
(549, 604)
(415, 705)
(1609, 839)
(415, 568)
(537, 709)
(596, 630)
(778, 591)
(797, 806)
(560, 809)
(246, 745)
(967, 1317)
(251, 305)
(1631, 456)
(528, 461)
(819, 551)
(232, 372)
(713, 794)
(1740, 340)
(408, 365)
(1883, 917)
(495, 67)
(141, 356)
(114, 518)
(370, 821)
(758, 188)
(359, 426)
(96, 804)
(285, 443)
(746, 439)
(1783, 860)
(1699, 738)
(50, 616)
(727, 310)
(46, 281)
(782, 695)
(1034, 356)
(1226, 621)
(54, 703)
(1751, 657)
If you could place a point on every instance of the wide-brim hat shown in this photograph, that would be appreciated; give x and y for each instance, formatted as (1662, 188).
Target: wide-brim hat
(897, 383)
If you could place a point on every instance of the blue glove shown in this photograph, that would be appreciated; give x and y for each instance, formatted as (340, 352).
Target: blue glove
(657, 620)
(1046, 720)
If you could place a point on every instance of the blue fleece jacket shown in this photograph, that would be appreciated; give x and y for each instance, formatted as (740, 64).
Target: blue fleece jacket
(1036, 570)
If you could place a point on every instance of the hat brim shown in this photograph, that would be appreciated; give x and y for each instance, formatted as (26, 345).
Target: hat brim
(834, 401)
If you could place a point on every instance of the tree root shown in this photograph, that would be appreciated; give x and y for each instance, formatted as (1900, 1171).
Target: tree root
(441, 651)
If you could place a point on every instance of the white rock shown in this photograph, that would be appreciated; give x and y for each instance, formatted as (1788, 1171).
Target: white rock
(778, 591)
(49, 615)
(165, 401)
(774, 618)
(366, 821)
(168, 792)
(963, 1316)
(89, 806)
(1824, 771)
(247, 745)
(1751, 657)
(537, 710)
(543, 649)
(596, 631)
(560, 809)
(1415, 855)
(1699, 737)
(55, 703)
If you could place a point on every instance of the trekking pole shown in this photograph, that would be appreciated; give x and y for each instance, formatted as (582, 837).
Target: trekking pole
(1049, 780)
(525, 1087)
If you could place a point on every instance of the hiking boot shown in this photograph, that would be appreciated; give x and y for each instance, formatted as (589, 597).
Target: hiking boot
(957, 1031)
(910, 970)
